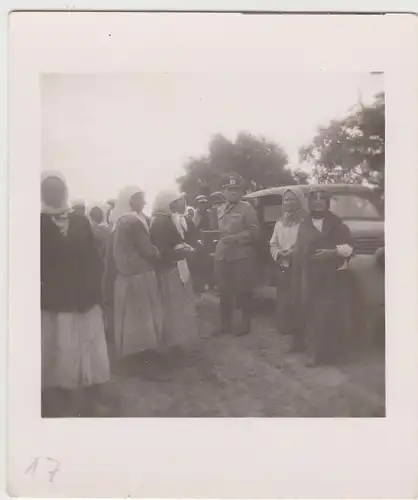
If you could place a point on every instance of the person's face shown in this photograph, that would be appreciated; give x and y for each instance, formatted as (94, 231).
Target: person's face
(178, 206)
(233, 194)
(290, 202)
(203, 205)
(318, 204)
(190, 214)
(138, 202)
(54, 192)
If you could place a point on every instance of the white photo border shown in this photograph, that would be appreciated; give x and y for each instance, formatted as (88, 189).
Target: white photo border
(293, 458)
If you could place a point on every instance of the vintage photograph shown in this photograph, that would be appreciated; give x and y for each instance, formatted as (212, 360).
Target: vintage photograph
(212, 245)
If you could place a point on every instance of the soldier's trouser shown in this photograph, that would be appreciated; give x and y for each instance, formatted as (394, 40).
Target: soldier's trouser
(235, 284)
(227, 302)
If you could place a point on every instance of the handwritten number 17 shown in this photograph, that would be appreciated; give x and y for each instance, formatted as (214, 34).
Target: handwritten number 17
(33, 467)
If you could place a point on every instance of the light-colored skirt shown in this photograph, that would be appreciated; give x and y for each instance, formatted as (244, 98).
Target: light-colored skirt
(74, 352)
(179, 312)
(137, 313)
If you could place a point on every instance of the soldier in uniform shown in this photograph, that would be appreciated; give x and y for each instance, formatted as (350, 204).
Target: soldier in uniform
(216, 200)
(203, 217)
(235, 254)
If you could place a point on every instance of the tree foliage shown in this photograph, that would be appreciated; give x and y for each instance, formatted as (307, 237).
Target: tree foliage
(260, 162)
(352, 149)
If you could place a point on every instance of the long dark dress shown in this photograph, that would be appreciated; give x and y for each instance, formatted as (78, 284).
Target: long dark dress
(323, 292)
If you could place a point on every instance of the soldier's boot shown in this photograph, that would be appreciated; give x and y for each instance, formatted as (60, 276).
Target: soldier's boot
(225, 315)
(244, 327)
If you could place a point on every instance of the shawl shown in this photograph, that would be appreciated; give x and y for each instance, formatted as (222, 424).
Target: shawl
(123, 206)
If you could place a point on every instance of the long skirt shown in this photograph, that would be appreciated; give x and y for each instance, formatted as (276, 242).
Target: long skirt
(74, 352)
(179, 313)
(137, 314)
(287, 318)
(330, 320)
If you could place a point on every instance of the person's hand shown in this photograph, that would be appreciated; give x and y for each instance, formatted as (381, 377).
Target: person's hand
(188, 248)
(324, 254)
(229, 239)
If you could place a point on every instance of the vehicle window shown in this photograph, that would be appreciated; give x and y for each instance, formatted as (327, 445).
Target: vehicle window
(272, 213)
(349, 206)
(346, 206)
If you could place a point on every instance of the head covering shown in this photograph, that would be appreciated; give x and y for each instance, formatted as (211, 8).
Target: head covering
(123, 203)
(46, 209)
(190, 208)
(217, 197)
(78, 202)
(164, 199)
(233, 181)
(319, 193)
(58, 215)
(294, 217)
(162, 203)
(201, 199)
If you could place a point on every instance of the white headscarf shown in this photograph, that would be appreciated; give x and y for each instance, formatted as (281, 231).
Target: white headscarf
(162, 203)
(46, 209)
(78, 202)
(123, 204)
(293, 218)
(161, 206)
(59, 215)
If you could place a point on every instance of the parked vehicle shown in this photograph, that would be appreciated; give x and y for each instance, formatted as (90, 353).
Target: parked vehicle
(360, 209)
(355, 204)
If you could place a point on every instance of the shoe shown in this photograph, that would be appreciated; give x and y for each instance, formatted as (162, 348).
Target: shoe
(244, 329)
(223, 330)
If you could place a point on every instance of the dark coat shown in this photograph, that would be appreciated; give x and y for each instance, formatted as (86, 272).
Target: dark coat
(70, 266)
(132, 248)
(323, 294)
(165, 236)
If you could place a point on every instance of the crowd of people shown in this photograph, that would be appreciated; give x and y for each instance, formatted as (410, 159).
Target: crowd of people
(119, 282)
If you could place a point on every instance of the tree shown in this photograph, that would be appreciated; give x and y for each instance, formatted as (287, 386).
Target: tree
(260, 162)
(352, 149)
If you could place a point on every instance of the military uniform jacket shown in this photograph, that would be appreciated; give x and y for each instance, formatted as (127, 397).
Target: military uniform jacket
(239, 230)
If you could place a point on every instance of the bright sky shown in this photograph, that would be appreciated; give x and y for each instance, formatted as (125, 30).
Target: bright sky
(105, 131)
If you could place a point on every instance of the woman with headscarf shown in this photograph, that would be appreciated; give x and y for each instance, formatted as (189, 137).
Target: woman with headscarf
(74, 354)
(323, 250)
(169, 234)
(282, 245)
(137, 305)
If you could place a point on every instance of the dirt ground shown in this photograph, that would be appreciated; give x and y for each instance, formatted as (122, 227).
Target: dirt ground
(252, 376)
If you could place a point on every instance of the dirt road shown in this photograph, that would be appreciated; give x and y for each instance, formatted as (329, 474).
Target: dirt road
(253, 376)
